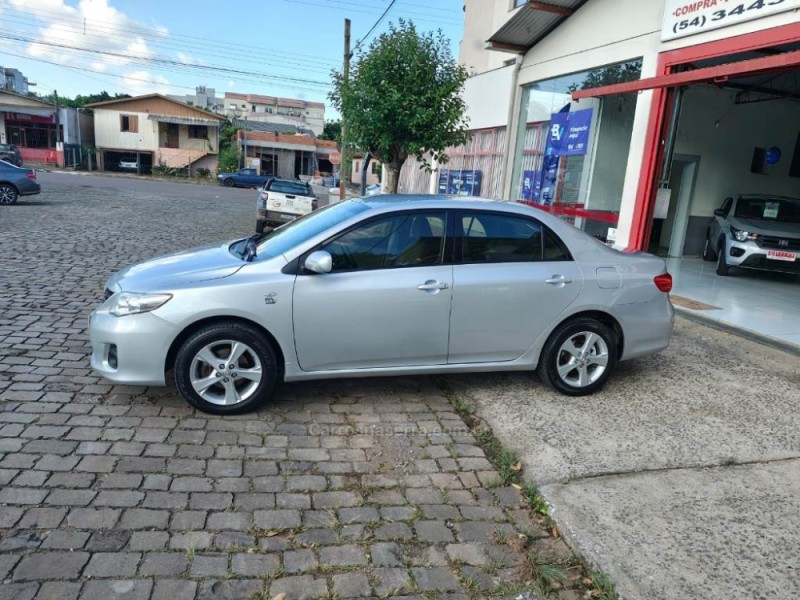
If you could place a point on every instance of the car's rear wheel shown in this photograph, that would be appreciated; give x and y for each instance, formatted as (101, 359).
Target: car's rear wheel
(228, 182)
(708, 252)
(722, 265)
(259, 226)
(226, 368)
(579, 357)
(8, 194)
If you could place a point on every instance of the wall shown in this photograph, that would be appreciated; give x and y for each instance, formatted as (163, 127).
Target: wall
(2, 127)
(727, 151)
(108, 135)
(481, 19)
(487, 97)
(372, 177)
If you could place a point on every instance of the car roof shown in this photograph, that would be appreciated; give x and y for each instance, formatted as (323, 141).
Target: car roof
(384, 200)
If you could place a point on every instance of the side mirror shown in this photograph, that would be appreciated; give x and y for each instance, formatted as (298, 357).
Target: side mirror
(720, 213)
(319, 262)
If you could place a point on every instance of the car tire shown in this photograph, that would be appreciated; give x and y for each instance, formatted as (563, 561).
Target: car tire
(708, 254)
(226, 391)
(229, 182)
(259, 226)
(8, 194)
(567, 346)
(722, 266)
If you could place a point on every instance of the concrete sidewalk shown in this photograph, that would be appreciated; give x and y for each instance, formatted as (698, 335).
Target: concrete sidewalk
(681, 477)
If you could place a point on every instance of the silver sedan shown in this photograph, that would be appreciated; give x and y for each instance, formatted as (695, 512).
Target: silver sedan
(388, 285)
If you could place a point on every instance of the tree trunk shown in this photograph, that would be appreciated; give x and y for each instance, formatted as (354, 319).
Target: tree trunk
(392, 178)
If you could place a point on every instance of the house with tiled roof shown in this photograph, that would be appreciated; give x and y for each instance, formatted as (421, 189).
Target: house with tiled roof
(137, 134)
(285, 155)
(273, 109)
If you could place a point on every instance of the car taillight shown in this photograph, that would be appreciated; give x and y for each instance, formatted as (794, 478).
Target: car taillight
(264, 196)
(31, 174)
(663, 282)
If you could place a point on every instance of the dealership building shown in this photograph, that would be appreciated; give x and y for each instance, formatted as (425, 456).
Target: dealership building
(632, 119)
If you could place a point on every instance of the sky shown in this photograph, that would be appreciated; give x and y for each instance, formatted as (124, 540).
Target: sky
(273, 47)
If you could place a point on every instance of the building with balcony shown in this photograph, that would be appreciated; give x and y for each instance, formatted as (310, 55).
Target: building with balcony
(287, 111)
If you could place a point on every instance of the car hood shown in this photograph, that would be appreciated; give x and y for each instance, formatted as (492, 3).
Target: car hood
(188, 266)
(767, 227)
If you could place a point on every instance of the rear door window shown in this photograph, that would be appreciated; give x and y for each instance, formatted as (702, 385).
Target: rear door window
(290, 187)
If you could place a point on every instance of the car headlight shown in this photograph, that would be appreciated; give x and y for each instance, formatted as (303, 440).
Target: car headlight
(128, 303)
(742, 236)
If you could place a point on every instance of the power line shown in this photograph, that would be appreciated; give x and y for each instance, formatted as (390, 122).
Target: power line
(385, 12)
(168, 62)
(341, 5)
(101, 37)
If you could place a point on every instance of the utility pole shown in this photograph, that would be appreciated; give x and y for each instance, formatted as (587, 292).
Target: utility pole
(343, 173)
(58, 125)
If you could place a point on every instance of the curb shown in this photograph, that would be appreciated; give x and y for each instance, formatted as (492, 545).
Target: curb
(749, 334)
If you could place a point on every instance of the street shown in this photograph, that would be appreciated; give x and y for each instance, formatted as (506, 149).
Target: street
(343, 489)
(680, 479)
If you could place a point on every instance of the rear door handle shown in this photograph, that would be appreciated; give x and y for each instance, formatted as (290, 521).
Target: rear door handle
(558, 280)
(432, 285)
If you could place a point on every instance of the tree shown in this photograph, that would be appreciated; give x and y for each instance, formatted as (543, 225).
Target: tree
(403, 99)
(332, 130)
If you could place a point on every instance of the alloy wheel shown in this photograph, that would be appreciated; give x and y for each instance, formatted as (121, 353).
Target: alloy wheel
(8, 195)
(582, 359)
(225, 372)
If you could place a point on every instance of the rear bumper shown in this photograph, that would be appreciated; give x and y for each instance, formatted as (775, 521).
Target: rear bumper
(29, 188)
(646, 326)
(274, 218)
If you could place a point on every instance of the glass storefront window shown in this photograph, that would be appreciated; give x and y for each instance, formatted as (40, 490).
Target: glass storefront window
(572, 156)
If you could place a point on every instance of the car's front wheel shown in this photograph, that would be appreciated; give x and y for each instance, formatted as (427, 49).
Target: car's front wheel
(226, 368)
(708, 251)
(722, 265)
(579, 357)
(8, 194)
(228, 182)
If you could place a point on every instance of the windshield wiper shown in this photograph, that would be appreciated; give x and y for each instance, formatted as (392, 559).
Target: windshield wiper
(250, 249)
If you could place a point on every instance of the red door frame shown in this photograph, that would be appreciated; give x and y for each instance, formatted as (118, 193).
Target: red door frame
(662, 97)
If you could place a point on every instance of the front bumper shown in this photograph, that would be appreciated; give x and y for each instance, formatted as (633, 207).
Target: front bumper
(750, 255)
(139, 343)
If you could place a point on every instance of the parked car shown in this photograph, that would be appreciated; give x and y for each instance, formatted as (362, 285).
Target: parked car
(281, 201)
(756, 231)
(15, 182)
(10, 153)
(389, 285)
(243, 178)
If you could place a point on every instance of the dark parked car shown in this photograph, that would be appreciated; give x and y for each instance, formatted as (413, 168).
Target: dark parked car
(10, 153)
(243, 178)
(15, 182)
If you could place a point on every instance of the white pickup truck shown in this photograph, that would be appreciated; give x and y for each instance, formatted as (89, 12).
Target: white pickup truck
(281, 201)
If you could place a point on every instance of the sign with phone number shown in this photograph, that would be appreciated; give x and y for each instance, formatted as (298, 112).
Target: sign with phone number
(688, 17)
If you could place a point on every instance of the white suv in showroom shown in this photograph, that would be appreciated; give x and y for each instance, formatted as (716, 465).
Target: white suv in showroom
(755, 231)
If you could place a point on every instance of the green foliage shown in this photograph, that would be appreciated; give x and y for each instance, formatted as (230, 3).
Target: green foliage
(203, 172)
(332, 130)
(228, 159)
(226, 133)
(80, 100)
(403, 98)
(162, 169)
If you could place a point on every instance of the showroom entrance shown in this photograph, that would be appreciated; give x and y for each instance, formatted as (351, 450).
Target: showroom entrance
(725, 121)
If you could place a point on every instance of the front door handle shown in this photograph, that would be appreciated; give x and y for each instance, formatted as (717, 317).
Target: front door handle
(558, 280)
(432, 286)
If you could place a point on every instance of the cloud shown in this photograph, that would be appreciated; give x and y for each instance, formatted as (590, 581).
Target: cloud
(231, 84)
(141, 82)
(90, 24)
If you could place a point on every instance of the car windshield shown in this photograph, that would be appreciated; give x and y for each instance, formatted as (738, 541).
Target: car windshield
(783, 210)
(286, 237)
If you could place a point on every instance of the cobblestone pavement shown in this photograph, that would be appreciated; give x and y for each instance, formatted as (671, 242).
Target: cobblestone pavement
(343, 489)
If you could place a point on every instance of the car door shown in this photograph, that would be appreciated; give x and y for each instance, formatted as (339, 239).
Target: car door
(386, 301)
(512, 278)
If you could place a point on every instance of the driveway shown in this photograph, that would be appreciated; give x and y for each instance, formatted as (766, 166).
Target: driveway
(681, 477)
(348, 489)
